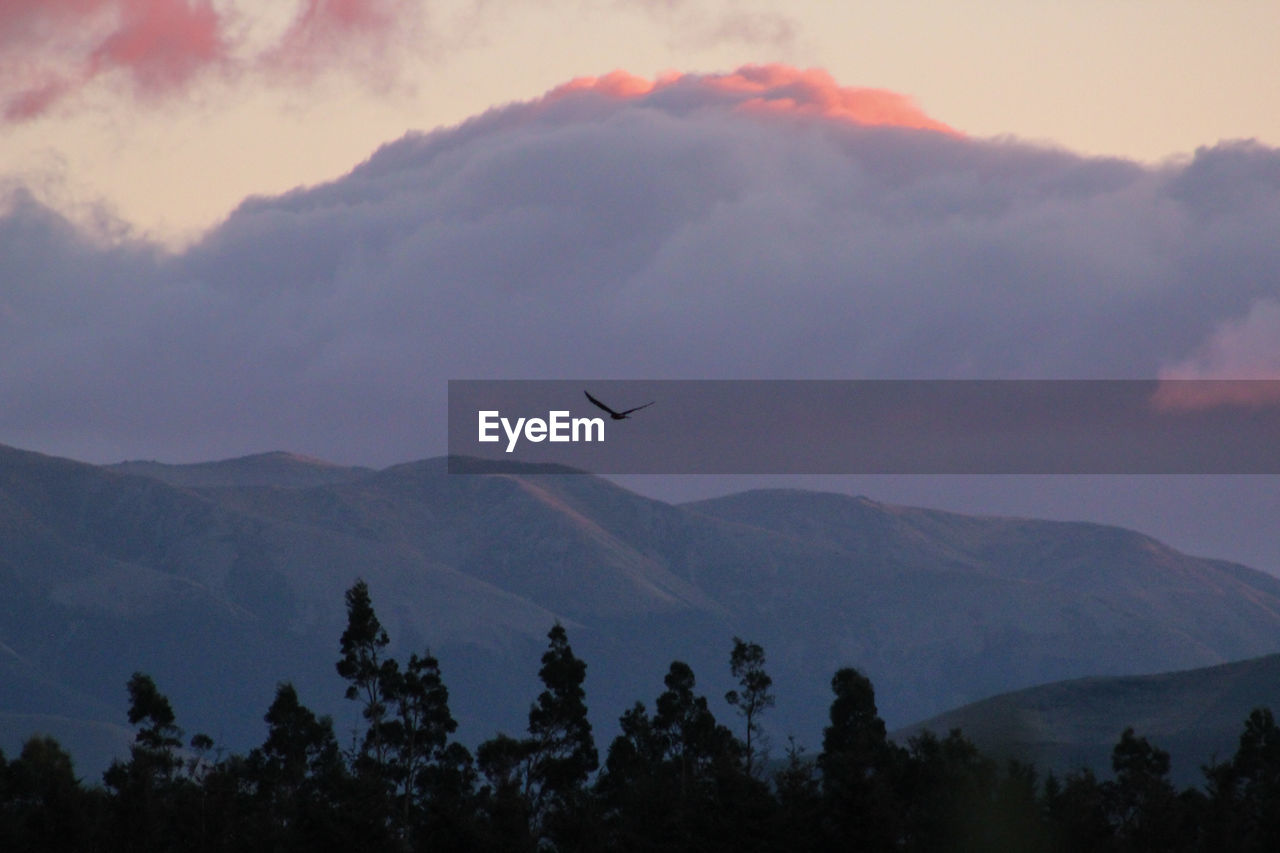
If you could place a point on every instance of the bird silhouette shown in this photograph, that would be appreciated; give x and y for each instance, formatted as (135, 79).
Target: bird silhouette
(617, 416)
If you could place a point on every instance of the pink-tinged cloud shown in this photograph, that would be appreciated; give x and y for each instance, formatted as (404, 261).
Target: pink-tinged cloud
(771, 89)
(35, 99)
(324, 29)
(50, 49)
(162, 43)
(56, 47)
(1239, 365)
(616, 84)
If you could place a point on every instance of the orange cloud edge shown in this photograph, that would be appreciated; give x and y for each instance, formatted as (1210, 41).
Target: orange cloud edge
(771, 89)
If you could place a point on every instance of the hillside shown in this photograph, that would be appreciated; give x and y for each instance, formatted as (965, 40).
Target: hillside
(1196, 715)
(222, 579)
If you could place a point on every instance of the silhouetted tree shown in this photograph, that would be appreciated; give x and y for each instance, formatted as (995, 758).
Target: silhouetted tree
(673, 780)
(364, 665)
(504, 760)
(746, 663)
(304, 793)
(860, 768)
(433, 776)
(157, 737)
(1015, 820)
(42, 805)
(799, 799)
(449, 817)
(1243, 804)
(1141, 801)
(695, 742)
(950, 788)
(562, 752)
(666, 779)
(537, 792)
(1076, 813)
(149, 796)
(635, 794)
(419, 724)
(1257, 766)
(407, 767)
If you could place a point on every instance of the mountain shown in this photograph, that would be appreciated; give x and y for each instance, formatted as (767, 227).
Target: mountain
(965, 603)
(262, 469)
(1196, 715)
(222, 579)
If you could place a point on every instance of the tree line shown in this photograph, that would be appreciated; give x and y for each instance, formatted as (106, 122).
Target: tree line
(673, 779)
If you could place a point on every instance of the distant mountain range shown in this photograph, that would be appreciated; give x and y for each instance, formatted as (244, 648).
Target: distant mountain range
(221, 579)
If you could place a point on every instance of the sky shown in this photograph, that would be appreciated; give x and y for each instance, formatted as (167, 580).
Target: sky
(167, 114)
(225, 231)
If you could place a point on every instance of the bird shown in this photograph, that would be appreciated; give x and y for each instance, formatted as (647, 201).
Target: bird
(617, 416)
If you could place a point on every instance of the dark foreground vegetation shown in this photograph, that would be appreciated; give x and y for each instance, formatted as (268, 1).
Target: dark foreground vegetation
(674, 779)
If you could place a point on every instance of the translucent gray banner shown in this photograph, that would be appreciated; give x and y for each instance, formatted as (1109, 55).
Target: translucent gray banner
(866, 426)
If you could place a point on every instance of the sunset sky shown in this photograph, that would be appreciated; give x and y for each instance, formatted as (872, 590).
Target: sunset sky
(166, 113)
(225, 231)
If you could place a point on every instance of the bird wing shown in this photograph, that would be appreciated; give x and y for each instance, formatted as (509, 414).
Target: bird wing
(601, 405)
(638, 408)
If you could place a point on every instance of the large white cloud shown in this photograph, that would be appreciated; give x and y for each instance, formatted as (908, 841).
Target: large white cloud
(747, 225)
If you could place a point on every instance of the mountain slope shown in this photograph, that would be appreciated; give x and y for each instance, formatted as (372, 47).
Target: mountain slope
(974, 602)
(221, 586)
(1197, 715)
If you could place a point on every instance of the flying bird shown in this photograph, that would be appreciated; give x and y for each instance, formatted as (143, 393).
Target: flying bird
(617, 416)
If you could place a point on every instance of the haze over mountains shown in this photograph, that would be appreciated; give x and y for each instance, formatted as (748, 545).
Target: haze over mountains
(222, 579)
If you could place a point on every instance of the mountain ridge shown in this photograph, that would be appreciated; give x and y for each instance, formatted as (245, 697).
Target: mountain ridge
(274, 468)
(1196, 715)
(221, 588)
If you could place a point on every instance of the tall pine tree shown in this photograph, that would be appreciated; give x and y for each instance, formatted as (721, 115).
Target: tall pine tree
(562, 752)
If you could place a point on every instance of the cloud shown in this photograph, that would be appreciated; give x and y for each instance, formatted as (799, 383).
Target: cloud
(326, 31)
(1242, 355)
(758, 28)
(1245, 348)
(767, 88)
(700, 23)
(766, 223)
(36, 98)
(161, 43)
(55, 48)
(760, 89)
